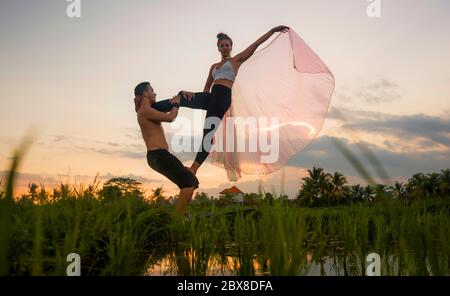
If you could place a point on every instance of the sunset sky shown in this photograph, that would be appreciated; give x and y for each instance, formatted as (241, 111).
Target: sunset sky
(71, 81)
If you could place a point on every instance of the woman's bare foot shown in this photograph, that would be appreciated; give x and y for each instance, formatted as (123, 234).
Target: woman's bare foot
(194, 167)
(175, 99)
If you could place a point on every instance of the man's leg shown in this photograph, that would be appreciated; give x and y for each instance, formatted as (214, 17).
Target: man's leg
(168, 165)
(184, 199)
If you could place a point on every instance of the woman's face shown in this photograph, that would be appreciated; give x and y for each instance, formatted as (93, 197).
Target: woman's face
(225, 47)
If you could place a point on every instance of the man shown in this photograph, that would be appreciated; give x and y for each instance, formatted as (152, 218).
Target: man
(158, 156)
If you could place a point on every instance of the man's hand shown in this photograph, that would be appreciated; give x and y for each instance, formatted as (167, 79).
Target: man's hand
(173, 113)
(147, 112)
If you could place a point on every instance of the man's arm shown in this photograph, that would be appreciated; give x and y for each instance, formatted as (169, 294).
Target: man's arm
(167, 105)
(147, 112)
(163, 106)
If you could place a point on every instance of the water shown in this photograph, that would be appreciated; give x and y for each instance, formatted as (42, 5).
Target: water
(228, 265)
(217, 266)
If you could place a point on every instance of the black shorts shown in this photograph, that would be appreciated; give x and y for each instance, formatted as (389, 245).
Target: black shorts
(167, 164)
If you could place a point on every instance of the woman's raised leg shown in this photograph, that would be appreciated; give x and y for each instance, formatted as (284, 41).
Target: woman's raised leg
(199, 101)
(218, 106)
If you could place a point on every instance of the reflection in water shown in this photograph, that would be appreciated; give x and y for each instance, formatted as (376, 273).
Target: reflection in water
(217, 266)
(227, 265)
(284, 241)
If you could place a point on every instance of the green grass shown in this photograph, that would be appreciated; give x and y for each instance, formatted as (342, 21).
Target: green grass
(125, 236)
(121, 233)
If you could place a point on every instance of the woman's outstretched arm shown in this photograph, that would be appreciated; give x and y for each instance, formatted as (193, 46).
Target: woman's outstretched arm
(246, 54)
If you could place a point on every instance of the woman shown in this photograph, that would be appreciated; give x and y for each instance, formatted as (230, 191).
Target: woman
(221, 78)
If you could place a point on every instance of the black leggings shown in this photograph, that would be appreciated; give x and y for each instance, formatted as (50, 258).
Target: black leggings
(215, 103)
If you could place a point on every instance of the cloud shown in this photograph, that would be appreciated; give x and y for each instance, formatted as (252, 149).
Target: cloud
(430, 130)
(373, 92)
(446, 113)
(112, 144)
(23, 179)
(343, 96)
(133, 133)
(59, 138)
(424, 131)
(426, 137)
(323, 153)
(131, 150)
(70, 143)
(389, 144)
(354, 115)
(121, 152)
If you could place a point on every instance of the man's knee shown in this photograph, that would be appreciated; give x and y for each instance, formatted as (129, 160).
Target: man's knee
(189, 180)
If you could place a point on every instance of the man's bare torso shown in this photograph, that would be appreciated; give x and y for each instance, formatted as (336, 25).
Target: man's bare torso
(153, 134)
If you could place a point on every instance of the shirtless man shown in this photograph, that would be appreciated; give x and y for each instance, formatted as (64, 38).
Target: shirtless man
(158, 156)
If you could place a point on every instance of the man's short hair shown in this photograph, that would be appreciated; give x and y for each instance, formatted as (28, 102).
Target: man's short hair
(140, 88)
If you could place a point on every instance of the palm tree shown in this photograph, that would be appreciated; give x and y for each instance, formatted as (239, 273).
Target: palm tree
(119, 187)
(399, 190)
(308, 192)
(314, 187)
(338, 191)
(380, 188)
(325, 189)
(356, 192)
(338, 180)
(382, 191)
(32, 191)
(158, 195)
(202, 199)
(316, 173)
(252, 198)
(416, 187)
(369, 193)
(432, 183)
(321, 188)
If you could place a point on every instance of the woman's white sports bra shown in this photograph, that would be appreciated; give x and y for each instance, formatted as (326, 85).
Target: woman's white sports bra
(224, 72)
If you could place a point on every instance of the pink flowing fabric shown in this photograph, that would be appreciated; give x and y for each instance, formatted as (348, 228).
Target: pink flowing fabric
(285, 80)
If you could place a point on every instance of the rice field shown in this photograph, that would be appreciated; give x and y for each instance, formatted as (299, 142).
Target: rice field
(328, 229)
(132, 236)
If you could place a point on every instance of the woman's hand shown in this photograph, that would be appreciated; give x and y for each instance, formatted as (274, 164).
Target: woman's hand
(189, 95)
(283, 29)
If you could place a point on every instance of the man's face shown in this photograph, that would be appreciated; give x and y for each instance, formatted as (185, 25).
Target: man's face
(150, 94)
